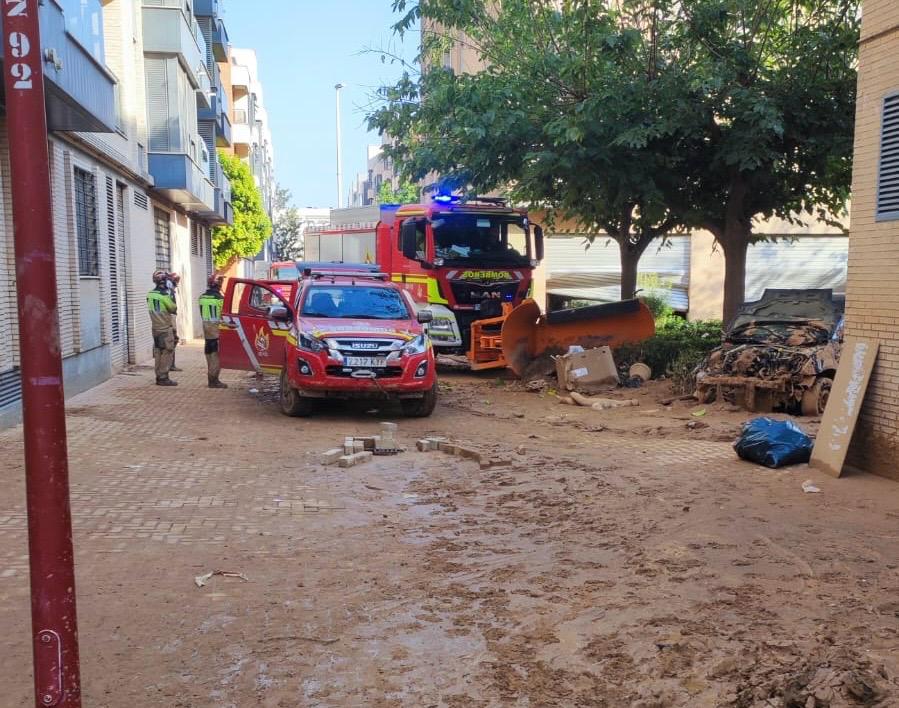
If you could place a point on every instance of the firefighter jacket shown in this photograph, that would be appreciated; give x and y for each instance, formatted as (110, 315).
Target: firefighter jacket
(162, 308)
(211, 311)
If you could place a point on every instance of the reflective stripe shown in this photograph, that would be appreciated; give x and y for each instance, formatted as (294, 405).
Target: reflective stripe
(434, 296)
(251, 355)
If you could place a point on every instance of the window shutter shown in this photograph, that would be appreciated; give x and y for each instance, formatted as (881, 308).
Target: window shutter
(888, 174)
(158, 104)
(113, 245)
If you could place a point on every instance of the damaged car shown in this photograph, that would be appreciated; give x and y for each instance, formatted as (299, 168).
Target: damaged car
(779, 354)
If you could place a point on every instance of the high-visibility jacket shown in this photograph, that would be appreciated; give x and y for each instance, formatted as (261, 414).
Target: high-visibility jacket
(211, 311)
(162, 308)
(211, 306)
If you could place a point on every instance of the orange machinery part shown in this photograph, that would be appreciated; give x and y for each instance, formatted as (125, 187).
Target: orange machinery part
(527, 334)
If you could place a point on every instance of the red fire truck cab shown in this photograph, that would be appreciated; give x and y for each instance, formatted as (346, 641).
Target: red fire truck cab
(333, 334)
(464, 261)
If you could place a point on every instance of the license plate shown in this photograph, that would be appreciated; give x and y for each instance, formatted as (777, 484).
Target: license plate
(366, 361)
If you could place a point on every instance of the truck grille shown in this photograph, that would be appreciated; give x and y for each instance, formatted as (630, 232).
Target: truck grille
(468, 293)
(390, 372)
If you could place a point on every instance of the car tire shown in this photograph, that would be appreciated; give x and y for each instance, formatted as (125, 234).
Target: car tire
(814, 400)
(291, 402)
(420, 407)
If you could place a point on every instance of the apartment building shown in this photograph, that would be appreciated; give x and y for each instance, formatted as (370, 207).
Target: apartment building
(251, 132)
(379, 169)
(135, 182)
(872, 295)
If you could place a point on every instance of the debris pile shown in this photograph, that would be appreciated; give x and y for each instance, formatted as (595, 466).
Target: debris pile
(443, 445)
(357, 450)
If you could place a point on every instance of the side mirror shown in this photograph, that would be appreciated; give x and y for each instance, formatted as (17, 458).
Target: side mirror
(408, 238)
(425, 316)
(538, 243)
(279, 313)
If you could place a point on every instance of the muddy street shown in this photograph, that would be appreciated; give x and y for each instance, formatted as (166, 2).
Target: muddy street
(613, 558)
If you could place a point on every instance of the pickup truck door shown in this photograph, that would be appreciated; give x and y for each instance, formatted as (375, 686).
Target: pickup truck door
(249, 338)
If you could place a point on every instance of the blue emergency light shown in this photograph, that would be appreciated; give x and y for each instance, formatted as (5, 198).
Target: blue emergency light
(446, 199)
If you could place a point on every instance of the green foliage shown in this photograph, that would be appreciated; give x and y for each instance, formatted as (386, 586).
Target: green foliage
(637, 117)
(407, 193)
(287, 228)
(246, 236)
(677, 348)
(654, 291)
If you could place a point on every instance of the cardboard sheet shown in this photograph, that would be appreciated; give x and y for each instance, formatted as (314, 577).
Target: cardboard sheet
(587, 370)
(854, 372)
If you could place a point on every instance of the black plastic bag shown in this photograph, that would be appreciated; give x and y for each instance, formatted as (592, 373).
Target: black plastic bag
(773, 443)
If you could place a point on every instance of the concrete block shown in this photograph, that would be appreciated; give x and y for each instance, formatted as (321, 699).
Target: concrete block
(331, 456)
(389, 429)
(495, 462)
(358, 446)
(355, 459)
(426, 445)
(447, 447)
(469, 454)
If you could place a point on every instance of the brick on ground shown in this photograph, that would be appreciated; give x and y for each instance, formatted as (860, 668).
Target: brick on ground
(355, 459)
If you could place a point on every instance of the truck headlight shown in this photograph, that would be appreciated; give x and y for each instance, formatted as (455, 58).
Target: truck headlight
(419, 345)
(311, 344)
(441, 324)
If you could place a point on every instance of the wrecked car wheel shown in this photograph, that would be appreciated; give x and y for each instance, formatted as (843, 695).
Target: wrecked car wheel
(292, 403)
(814, 400)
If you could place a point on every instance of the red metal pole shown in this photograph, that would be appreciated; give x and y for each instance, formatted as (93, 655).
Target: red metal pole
(53, 621)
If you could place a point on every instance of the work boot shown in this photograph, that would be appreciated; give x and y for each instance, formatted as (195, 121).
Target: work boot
(215, 383)
(166, 382)
(175, 368)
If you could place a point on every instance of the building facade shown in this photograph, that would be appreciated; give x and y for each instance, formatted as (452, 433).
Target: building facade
(251, 131)
(134, 117)
(872, 296)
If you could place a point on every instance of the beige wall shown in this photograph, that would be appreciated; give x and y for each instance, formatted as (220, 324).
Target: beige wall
(706, 277)
(872, 295)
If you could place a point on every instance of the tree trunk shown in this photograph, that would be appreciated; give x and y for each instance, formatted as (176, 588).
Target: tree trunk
(735, 246)
(630, 259)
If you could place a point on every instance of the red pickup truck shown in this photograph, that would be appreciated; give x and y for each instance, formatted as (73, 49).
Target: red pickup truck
(336, 334)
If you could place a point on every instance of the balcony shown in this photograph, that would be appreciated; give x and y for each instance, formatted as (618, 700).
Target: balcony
(241, 133)
(168, 30)
(183, 181)
(222, 212)
(207, 8)
(80, 91)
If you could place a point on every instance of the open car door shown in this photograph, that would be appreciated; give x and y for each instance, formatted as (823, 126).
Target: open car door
(249, 337)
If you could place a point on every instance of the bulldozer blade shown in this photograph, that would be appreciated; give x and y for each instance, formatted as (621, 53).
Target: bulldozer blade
(528, 335)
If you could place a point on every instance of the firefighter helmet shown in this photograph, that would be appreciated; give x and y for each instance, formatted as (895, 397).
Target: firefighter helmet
(160, 276)
(215, 280)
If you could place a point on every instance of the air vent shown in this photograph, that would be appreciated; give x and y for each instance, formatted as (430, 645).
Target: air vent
(10, 388)
(888, 175)
(140, 199)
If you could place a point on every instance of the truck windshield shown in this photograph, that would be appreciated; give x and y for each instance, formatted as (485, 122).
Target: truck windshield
(485, 238)
(355, 302)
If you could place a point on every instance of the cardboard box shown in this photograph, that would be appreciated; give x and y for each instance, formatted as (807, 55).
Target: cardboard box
(591, 369)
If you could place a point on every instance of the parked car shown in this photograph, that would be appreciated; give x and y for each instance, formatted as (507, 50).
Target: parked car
(333, 334)
(780, 353)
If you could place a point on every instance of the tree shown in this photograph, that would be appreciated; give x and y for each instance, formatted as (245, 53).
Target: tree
(563, 117)
(287, 227)
(766, 116)
(639, 116)
(406, 193)
(246, 236)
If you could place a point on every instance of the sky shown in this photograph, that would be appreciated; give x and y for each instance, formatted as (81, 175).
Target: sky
(305, 47)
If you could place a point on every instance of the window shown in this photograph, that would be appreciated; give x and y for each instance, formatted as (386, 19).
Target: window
(888, 174)
(421, 236)
(86, 223)
(162, 229)
(355, 302)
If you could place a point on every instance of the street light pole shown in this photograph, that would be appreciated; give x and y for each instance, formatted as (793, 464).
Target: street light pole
(51, 561)
(337, 88)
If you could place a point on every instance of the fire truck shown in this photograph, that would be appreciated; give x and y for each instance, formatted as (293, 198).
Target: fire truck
(468, 262)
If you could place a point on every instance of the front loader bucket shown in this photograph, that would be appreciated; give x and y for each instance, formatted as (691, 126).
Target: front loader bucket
(528, 336)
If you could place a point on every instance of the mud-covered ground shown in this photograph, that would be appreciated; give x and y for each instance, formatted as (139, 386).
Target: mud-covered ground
(620, 558)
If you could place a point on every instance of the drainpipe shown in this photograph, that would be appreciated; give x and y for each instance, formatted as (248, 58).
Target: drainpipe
(54, 629)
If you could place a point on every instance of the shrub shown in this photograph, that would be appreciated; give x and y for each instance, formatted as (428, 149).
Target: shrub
(675, 351)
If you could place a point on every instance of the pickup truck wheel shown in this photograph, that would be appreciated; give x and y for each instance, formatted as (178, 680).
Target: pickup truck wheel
(420, 407)
(814, 400)
(292, 403)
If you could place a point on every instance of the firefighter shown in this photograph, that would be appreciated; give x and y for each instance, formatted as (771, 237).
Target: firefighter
(173, 280)
(211, 311)
(162, 309)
